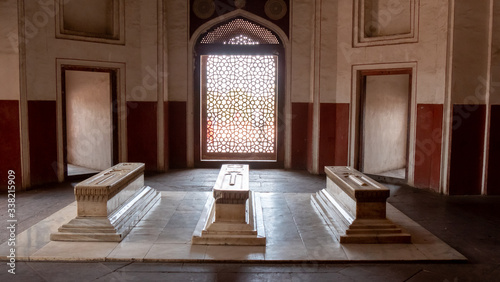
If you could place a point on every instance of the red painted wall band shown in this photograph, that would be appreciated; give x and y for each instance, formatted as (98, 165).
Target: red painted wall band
(467, 145)
(300, 137)
(334, 131)
(493, 184)
(428, 146)
(177, 136)
(43, 142)
(142, 134)
(10, 149)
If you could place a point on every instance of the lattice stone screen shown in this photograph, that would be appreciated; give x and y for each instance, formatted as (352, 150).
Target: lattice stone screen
(239, 106)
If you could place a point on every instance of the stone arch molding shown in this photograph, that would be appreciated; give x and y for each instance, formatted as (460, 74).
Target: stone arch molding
(238, 13)
(190, 95)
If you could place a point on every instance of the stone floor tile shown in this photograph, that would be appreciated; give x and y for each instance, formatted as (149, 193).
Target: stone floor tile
(158, 215)
(159, 276)
(74, 251)
(56, 271)
(176, 252)
(244, 277)
(385, 252)
(149, 267)
(175, 236)
(381, 272)
(238, 253)
(184, 219)
(320, 277)
(143, 234)
(286, 252)
(146, 223)
(131, 250)
(458, 272)
(22, 272)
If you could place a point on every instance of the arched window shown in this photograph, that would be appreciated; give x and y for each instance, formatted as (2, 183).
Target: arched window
(239, 93)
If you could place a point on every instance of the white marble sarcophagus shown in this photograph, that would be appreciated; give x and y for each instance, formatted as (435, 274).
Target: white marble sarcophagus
(109, 205)
(233, 216)
(355, 206)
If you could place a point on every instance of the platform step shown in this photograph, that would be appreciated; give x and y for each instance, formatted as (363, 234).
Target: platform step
(401, 238)
(373, 231)
(86, 237)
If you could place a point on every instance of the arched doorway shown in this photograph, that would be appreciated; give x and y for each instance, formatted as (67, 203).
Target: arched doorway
(239, 95)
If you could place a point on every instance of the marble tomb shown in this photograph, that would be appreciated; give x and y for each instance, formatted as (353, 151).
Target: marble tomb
(109, 205)
(233, 216)
(355, 207)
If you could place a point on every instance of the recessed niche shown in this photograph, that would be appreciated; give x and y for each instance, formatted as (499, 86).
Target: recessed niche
(92, 20)
(381, 22)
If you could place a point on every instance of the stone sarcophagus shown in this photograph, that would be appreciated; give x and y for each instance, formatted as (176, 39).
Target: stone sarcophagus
(355, 205)
(233, 216)
(109, 205)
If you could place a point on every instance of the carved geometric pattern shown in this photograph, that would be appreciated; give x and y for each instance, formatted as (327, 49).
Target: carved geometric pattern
(224, 33)
(203, 9)
(241, 40)
(275, 9)
(240, 104)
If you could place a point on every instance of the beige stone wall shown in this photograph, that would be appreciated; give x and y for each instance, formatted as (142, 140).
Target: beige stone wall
(302, 49)
(328, 53)
(325, 32)
(387, 17)
(177, 18)
(495, 56)
(9, 51)
(139, 52)
(470, 52)
(429, 52)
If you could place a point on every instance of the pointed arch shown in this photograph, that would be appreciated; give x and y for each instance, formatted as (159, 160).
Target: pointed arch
(235, 14)
(284, 116)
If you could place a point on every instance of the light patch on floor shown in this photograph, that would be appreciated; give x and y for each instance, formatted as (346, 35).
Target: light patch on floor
(80, 170)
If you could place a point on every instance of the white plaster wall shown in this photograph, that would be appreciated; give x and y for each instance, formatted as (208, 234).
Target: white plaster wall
(139, 52)
(385, 123)
(328, 58)
(430, 52)
(93, 16)
(88, 119)
(387, 17)
(495, 56)
(302, 48)
(177, 48)
(470, 51)
(9, 52)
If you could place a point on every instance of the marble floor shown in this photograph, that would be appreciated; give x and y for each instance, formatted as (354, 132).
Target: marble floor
(300, 246)
(295, 232)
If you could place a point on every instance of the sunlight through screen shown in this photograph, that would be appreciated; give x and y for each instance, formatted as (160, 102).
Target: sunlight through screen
(241, 104)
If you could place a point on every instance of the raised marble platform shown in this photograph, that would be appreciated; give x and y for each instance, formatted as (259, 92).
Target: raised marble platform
(295, 232)
(233, 216)
(355, 206)
(109, 205)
